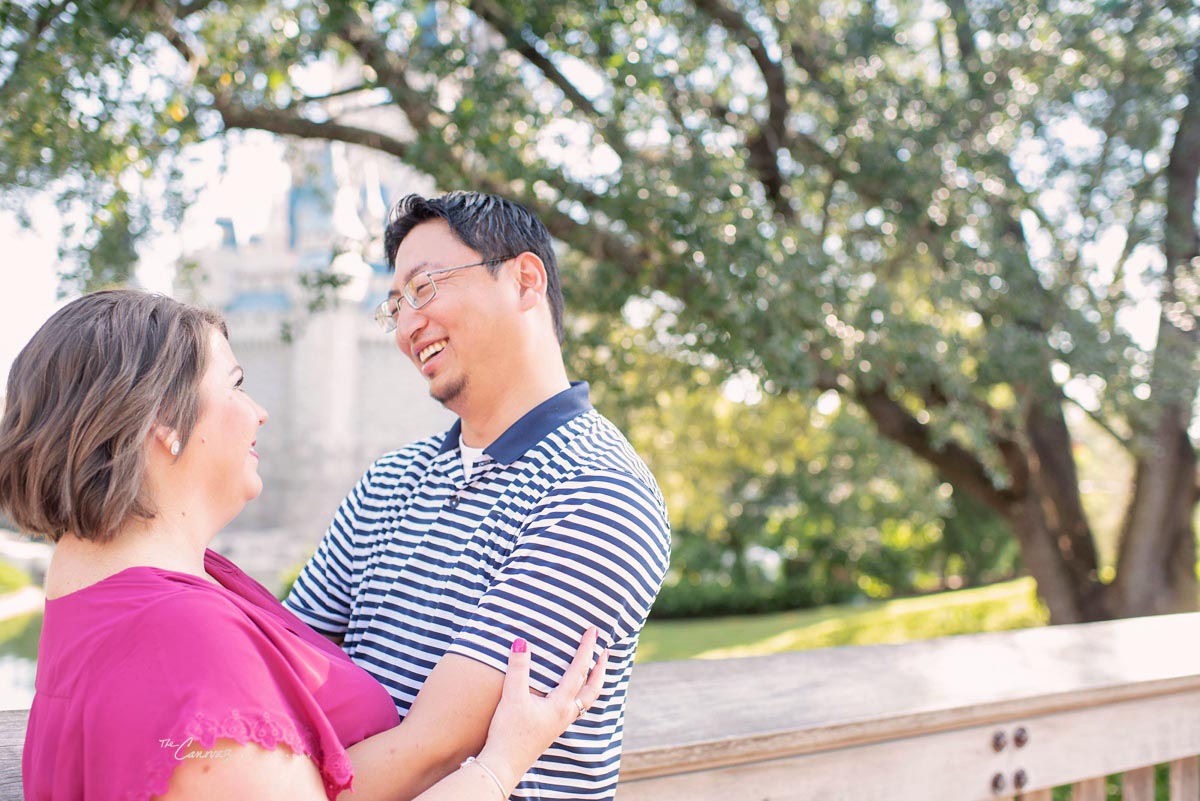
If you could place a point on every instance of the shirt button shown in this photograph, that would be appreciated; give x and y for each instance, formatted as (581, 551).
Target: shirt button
(452, 501)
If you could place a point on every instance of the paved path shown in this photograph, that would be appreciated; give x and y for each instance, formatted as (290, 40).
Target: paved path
(266, 554)
(22, 602)
(32, 556)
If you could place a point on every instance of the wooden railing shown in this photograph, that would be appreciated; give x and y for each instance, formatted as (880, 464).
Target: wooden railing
(990, 716)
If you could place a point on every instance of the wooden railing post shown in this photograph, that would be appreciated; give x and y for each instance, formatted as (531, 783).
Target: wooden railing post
(1185, 780)
(992, 717)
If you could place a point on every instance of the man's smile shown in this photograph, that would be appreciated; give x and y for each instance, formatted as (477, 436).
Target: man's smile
(429, 351)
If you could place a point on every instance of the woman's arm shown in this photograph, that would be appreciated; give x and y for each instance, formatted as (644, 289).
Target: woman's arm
(232, 770)
(523, 727)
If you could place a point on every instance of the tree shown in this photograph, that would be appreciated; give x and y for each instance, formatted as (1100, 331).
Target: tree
(947, 212)
(777, 502)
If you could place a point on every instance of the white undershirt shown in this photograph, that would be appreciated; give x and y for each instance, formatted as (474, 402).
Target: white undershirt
(469, 457)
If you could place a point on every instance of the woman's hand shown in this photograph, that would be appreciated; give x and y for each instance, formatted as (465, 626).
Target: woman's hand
(525, 724)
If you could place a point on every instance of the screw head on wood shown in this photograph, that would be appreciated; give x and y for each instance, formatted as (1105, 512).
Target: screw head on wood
(1020, 779)
(1020, 737)
(999, 740)
(998, 783)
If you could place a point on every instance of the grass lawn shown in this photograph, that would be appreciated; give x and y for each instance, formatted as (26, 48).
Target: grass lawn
(999, 607)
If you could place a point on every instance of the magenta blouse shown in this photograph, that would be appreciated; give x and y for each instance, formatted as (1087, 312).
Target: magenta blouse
(137, 669)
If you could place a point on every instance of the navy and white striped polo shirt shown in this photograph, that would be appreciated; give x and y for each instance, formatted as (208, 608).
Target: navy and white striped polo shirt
(560, 526)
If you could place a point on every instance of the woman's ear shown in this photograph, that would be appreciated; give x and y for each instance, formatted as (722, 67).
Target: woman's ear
(531, 279)
(165, 437)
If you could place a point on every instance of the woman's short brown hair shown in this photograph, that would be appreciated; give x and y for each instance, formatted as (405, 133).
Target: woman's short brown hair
(82, 397)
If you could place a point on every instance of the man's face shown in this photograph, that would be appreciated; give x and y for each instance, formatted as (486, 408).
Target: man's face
(462, 339)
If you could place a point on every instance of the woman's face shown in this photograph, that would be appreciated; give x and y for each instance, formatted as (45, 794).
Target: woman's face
(220, 452)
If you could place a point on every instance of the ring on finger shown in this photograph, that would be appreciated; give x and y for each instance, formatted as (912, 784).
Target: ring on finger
(580, 708)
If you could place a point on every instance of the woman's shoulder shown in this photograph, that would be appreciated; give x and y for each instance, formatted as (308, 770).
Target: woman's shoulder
(143, 620)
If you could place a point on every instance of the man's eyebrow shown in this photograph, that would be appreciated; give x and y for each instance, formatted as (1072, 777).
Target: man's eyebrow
(416, 268)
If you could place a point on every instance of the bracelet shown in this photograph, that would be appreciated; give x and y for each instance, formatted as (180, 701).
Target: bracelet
(473, 761)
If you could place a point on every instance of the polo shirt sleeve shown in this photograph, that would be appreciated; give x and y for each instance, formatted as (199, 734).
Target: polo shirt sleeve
(322, 594)
(593, 553)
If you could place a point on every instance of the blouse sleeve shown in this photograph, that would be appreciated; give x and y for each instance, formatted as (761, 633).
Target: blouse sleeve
(196, 669)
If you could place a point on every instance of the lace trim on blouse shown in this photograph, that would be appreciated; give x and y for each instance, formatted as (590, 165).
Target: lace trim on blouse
(261, 728)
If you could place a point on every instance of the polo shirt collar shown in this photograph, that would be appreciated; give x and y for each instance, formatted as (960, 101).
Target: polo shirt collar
(533, 427)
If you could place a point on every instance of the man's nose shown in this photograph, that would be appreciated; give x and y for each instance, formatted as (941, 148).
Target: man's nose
(409, 321)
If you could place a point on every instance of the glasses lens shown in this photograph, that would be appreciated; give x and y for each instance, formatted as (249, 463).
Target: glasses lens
(385, 315)
(420, 290)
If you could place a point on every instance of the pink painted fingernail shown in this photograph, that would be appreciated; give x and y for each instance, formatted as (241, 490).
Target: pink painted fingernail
(520, 646)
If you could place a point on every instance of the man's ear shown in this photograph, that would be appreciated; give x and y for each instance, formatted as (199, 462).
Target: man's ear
(531, 279)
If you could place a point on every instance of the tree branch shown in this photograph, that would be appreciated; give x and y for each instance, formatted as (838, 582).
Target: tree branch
(194, 7)
(773, 133)
(288, 123)
(362, 87)
(360, 34)
(590, 239)
(26, 48)
(952, 461)
(492, 13)
(585, 238)
(1123, 440)
(609, 125)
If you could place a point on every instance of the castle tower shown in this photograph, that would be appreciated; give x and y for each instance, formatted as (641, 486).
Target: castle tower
(338, 390)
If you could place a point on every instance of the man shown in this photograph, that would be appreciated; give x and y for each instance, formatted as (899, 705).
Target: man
(531, 517)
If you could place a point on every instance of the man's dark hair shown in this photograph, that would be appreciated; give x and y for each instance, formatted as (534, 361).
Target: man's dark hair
(492, 226)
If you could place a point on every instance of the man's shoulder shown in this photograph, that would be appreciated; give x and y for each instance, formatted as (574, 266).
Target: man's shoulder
(591, 459)
(591, 444)
(413, 457)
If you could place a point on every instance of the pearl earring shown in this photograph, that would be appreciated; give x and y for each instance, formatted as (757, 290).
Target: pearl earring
(175, 448)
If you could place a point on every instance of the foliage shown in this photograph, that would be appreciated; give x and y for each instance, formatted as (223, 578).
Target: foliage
(19, 635)
(776, 504)
(1000, 607)
(287, 577)
(92, 112)
(949, 214)
(1113, 788)
(12, 578)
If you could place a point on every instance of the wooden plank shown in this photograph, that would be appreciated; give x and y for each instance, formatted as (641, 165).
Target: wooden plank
(12, 740)
(1075, 745)
(699, 714)
(945, 766)
(1038, 795)
(1063, 748)
(1185, 780)
(1089, 790)
(1138, 784)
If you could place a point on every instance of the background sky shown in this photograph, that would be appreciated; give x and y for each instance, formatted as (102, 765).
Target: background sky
(242, 176)
(29, 288)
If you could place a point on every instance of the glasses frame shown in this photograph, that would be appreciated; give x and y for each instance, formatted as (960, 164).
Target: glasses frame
(387, 311)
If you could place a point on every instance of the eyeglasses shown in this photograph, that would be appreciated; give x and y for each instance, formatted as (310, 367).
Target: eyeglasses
(419, 290)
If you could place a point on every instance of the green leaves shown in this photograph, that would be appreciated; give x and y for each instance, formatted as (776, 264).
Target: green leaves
(913, 202)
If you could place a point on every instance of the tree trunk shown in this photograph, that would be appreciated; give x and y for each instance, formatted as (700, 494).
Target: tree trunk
(1157, 567)
(1050, 523)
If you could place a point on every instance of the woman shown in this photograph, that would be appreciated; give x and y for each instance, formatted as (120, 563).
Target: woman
(163, 670)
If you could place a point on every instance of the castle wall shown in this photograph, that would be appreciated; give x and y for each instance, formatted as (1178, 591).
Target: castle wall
(340, 395)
